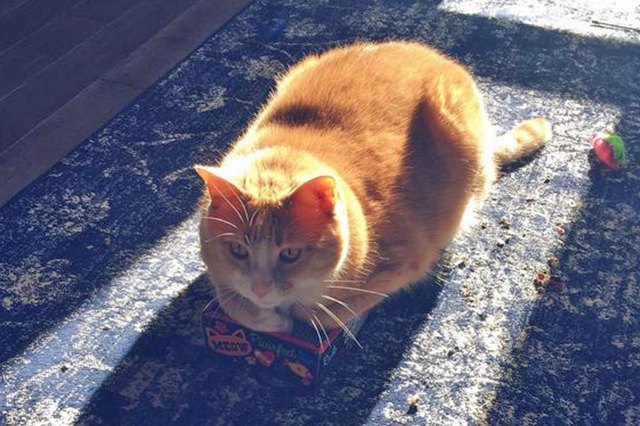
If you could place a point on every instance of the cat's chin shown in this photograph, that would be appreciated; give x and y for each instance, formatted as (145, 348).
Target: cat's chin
(265, 305)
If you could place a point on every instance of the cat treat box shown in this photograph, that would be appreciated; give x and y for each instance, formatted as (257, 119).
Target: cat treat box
(298, 357)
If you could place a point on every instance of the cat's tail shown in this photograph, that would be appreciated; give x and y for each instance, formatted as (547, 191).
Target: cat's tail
(524, 139)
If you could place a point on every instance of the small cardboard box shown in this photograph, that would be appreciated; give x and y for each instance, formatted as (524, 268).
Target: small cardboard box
(297, 357)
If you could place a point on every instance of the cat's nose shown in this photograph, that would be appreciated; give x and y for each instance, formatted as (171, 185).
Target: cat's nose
(261, 289)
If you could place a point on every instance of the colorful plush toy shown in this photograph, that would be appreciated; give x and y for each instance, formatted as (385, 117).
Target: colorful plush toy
(609, 149)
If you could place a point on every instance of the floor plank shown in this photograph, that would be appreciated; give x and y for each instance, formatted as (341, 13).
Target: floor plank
(55, 85)
(41, 48)
(61, 131)
(51, 41)
(102, 10)
(22, 161)
(28, 17)
(7, 6)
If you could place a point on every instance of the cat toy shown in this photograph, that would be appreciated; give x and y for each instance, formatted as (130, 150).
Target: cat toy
(609, 149)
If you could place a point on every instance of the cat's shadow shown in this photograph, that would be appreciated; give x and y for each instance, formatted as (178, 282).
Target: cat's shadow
(171, 377)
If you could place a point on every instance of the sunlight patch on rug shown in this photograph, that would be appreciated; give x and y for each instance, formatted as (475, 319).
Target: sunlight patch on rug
(615, 19)
(72, 361)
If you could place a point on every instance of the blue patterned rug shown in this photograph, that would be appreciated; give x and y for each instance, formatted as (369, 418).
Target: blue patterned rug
(101, 285)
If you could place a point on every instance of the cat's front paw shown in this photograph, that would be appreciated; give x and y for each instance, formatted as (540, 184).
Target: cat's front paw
(269, 321)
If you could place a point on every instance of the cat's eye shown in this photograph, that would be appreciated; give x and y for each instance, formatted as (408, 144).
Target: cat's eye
(290, 255)
(238, 251)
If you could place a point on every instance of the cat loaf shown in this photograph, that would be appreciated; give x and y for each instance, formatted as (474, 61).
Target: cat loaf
(356, 173)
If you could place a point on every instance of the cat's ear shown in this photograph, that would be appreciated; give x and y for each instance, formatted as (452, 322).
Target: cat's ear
(239, 334)
(317, 196)
(222, 192)
(311, 209)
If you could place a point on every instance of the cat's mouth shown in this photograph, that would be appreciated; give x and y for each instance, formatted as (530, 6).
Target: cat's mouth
(269, 302)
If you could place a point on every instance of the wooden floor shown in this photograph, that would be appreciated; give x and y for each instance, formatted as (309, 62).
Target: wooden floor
(68, 66)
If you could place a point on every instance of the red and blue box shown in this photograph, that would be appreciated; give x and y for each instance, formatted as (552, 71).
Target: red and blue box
(297, 357)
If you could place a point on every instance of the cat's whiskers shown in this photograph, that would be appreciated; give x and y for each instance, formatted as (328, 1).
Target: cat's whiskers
(341, 303)
(313, 323)
(324, 330)
(230, 296)
(340, 323)
(312, 312)
(315, 327)
(217, 219)
(222, 289)
(363, 290)
(220, 292)
(224, 234)
(224, 301)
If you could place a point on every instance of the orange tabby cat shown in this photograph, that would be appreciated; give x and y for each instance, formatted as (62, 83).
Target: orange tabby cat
(350, 181)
